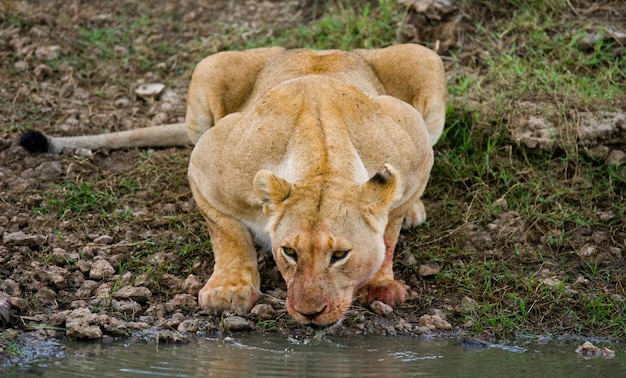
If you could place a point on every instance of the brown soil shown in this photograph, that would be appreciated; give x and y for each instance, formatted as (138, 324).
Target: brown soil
(130, 250)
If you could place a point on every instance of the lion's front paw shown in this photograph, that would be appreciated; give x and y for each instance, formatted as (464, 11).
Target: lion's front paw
(235, 294)
(415, 216)
(391, 292)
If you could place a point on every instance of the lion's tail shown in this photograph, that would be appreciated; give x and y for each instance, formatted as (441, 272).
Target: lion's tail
(172, 135)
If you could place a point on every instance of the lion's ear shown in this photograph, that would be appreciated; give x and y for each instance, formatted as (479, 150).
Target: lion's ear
(271, 189)
(381, 190)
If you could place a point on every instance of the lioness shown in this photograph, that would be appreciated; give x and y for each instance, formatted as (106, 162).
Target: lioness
(320, 156)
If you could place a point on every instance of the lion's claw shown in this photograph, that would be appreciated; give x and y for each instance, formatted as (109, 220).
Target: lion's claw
(219, 295)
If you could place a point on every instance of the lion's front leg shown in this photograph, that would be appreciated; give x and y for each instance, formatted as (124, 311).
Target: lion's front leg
(235, 282)
(383, 287)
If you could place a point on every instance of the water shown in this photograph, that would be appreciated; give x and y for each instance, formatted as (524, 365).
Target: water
(258, 356)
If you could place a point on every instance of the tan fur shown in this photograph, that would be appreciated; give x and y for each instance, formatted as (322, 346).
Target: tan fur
(320, 156)
(288, 146)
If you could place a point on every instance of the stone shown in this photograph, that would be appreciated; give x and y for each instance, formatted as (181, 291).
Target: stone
(19, 238)
(126, 307)
(48, 170)
(100, 270)
(152, 90)
(114, 326)
(429, 269)
(103, 239)
(62, 257)
(587, 250)
(167, 337)
(48, 52)
(236, 324)
(189, 325)
(433, 322)
(85, 290)
(263, 311)
(138, 294)
(184, 301)
(466, 306)
(58, 319)
(192, 285)
(616, 157)
(5, 308)
(589, 350)
(381, 308)
(81, 324)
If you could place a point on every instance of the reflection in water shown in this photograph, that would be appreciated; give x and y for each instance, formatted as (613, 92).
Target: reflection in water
(256, 356)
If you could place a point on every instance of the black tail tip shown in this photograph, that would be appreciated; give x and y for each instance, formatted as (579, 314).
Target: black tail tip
(34, 141)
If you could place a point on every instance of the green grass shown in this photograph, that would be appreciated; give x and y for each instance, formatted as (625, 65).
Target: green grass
(345, 26)
(72, 199)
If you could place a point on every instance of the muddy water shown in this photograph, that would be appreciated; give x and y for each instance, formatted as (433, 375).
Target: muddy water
(256, 356)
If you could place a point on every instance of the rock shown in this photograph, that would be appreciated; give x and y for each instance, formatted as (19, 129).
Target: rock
(551, 281)
(5, 308)
(587, 349)
(85, 290)
(171, 337)
(62, 257)
(172, 281)
(57, 276)
(127, 307)
(381, 308)
(434, 322)
(19, 238)
(138, 294)
(409, 259)
(103, 239)
(587, 250)
(102, 294)
(48, 170)
(466, 306)
(46, 295)
(42, 71)
(21, 65)
(149, 91)
(600, 127)
(67, 90)
(184, 301)
(100, 270)
(174, 321)
(263, 311)
(501, 203)
(429, 269)
(192, 285)
(236, 324)
(189, 325)
(167, 208)
(616, 157)
(58, 319)
(47, 52)
(80, 323)
(21, 220)
(581, 280)
(536, 132)
(114, 326)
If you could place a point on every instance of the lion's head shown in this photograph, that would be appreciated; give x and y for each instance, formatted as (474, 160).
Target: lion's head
(327, 238)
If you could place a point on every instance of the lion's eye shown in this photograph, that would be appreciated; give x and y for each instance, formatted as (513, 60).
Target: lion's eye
(338, 256)
(290, 253)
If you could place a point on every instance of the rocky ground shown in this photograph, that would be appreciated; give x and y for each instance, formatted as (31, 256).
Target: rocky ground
(109, 243)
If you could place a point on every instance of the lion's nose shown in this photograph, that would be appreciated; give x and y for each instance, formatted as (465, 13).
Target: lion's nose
(311, 315)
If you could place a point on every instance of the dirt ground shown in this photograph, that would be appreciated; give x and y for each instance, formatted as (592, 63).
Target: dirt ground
(109, 243)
